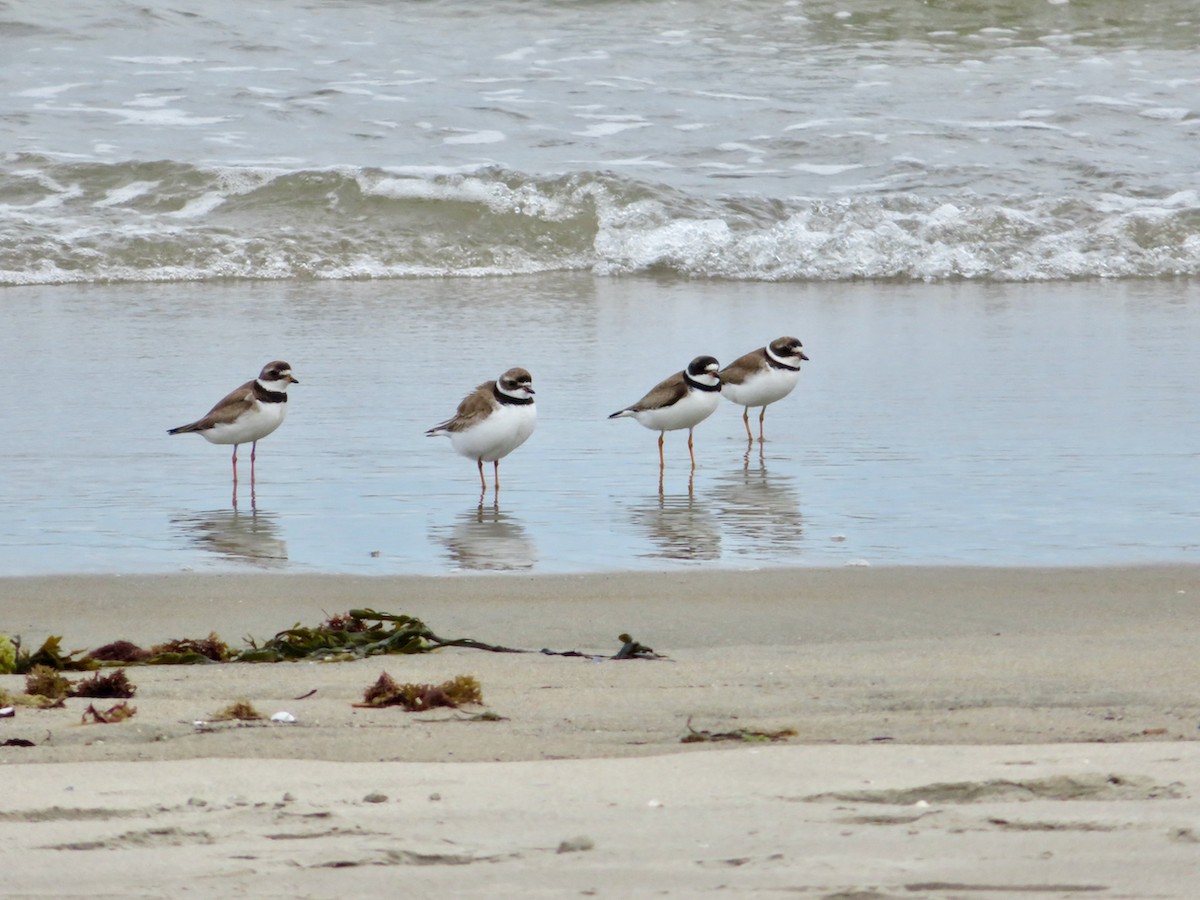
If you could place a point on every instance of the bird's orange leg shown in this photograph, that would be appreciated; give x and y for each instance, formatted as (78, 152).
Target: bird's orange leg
(235, 446)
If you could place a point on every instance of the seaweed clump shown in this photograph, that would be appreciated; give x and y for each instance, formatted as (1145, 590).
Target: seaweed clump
(186, 651)
(458, 691)
(346, 637)
(46, 682)
(8, 655)
(744, 735)
(118, 712)
(120, 652)
(356, 634)
(241, 710)
(116, 684)
(50, 655)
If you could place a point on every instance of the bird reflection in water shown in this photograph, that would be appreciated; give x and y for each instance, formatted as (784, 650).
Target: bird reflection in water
(760, 509)
(251, 537)
(680, 527)
(486, 539)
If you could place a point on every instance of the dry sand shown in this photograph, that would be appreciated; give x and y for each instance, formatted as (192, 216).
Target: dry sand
(958, 733)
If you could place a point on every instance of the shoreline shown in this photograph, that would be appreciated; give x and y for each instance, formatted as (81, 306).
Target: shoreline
(810, 602)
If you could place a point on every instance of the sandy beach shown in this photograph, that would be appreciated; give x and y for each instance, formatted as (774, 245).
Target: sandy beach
(957, 732)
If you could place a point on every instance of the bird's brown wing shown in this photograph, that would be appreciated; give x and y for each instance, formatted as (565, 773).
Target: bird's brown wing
(227, 409)
(742, 367)
(665, 393)
(475, 406)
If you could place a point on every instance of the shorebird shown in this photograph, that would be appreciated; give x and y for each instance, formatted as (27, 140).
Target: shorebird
(763, 376)
(492, 421)
(684, 400)
(246, 415)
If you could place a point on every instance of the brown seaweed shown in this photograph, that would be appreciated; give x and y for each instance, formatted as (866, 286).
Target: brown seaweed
(356, 634)
(738, 734)
(187, 650)
(118, 712)
(45, 681)
(386, 691)
(120, 651)
(116, 684)
(242, 710)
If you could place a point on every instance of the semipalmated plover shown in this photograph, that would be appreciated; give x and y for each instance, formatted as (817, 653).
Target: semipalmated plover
(247, 414)
(763, 376)
(684, 400)
(492, 421)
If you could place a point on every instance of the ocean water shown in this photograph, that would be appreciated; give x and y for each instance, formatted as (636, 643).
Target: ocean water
(983, 219)
(1018, 141)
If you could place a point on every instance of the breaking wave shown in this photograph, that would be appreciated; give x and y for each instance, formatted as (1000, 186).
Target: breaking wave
(63, 221)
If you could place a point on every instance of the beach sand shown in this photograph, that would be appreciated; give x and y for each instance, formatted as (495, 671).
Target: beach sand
(959, 732)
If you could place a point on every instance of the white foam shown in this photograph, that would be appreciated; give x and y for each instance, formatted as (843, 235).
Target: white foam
(638, 161)
(593, 56)
(199, 206)
(606, 129)
(508, 94)
(1111, 102)
(497, 196)
(810, 124)
(156, 117)
(126, 192)
(518, 55)
(1176, 114)
(724, 95)
(156, 60)
(475, 137)
(153, 101)
(50, 90)
(826, 169)
(226, 138)
(1006, 124)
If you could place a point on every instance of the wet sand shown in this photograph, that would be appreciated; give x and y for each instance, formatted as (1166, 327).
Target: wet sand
(956, 730)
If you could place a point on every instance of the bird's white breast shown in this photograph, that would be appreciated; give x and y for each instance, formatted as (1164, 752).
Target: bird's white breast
(765, 386)
(689, 411)
(253, 425)
(493, 438)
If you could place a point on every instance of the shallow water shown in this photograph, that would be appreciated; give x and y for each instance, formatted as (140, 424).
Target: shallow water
(979, 424)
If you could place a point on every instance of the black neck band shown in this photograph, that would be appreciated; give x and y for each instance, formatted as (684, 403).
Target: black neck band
(700, 385)
(777, 364)
(264, 396)
(509, 400)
